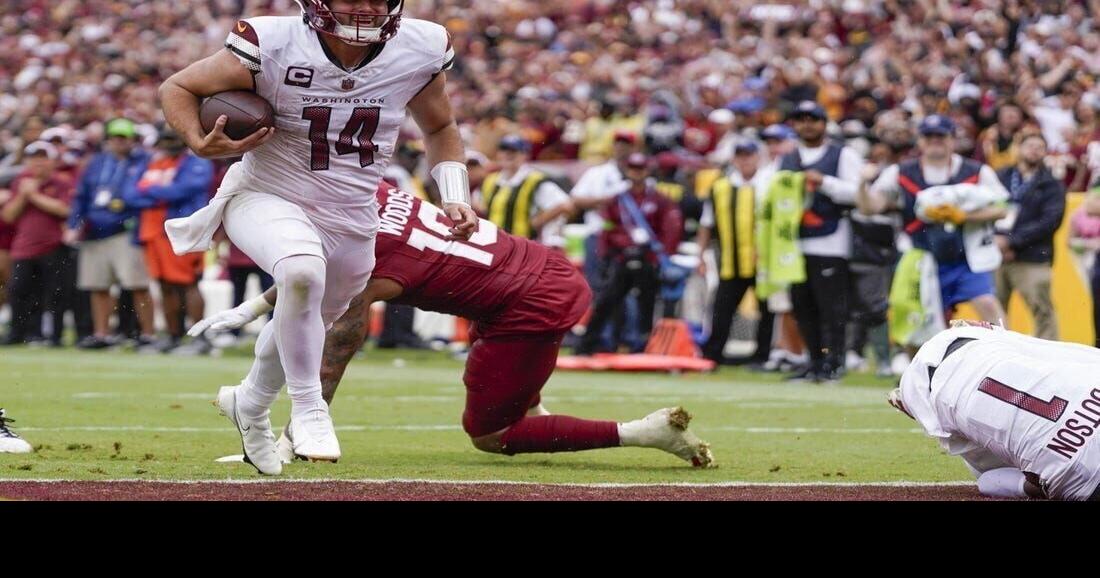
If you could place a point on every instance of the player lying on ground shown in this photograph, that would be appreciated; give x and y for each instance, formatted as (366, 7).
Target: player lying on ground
(341, 77)
(522, 296)
(1021, 412)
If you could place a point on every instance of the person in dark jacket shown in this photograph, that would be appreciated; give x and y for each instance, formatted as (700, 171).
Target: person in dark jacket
(1037, 204)
(628, 248)
(104, 226)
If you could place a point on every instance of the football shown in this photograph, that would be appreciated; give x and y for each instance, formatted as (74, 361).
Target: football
(247, 112)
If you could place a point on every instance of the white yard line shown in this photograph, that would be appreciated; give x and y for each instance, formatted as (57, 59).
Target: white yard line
(730, 484)
(455, 427)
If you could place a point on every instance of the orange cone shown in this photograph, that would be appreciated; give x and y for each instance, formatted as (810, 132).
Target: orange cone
(672, 337)
(462, 330)
(377, 312)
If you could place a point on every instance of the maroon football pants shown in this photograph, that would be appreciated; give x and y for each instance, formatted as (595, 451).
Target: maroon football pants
(503, 378)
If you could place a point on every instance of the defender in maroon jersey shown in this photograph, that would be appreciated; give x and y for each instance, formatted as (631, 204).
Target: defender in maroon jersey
(522, 297)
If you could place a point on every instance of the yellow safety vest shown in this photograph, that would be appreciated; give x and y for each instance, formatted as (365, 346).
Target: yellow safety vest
(704, 181)
(734, 220)
(511, 209)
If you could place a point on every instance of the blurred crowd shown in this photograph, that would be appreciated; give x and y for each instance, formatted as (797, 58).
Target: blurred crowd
(709, 92)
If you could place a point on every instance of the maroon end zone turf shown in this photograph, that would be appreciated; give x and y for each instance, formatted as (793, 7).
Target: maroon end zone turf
(413, 491)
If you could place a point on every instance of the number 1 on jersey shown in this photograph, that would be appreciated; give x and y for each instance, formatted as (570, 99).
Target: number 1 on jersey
(429, 216)
(1050, 410)
(363, 122)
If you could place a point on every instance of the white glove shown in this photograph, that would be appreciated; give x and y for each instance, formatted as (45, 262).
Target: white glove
(235, 318)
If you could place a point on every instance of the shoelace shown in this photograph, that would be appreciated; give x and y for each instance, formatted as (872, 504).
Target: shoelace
(4, 430)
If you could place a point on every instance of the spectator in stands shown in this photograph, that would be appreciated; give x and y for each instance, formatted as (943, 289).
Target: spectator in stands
(1088, 131)
(521, 200)
(72, 157)
(38, 207)
(729, 217)
(874, 256)
(7, 235)
(1092, 208)
(832, 179)
(726, 136)
(671, 179)
(173, 185)
(404, 171)
(105, 227)
(629, 247)
(998, 142)
(1037, 205)
(616, 117)
(570, 76)
(898, 187)
(779, 140)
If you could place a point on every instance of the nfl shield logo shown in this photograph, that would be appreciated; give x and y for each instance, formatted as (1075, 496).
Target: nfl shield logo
(348, 84)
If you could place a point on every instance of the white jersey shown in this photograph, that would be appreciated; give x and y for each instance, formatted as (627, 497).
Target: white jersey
(1009, 400)
(335, 129)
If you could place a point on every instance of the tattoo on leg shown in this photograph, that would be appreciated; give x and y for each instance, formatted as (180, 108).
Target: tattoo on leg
(342, 341)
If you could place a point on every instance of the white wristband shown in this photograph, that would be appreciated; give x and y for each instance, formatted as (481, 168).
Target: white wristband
(453, 181)
(257, 306)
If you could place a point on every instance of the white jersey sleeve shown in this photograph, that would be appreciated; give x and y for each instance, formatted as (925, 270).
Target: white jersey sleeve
(260, 44)
(428, 45)
(448, 55)
(244, 42)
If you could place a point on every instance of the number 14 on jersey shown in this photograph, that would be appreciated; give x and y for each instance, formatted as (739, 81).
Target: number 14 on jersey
(356, 137)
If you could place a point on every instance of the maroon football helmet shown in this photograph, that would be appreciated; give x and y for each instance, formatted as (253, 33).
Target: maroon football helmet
(362, 28)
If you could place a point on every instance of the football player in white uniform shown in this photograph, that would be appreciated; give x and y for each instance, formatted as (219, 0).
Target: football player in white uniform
(302, 202)
(1023, 413)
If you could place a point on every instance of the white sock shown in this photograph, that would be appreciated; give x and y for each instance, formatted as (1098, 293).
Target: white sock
(260, 388)
(630, 434)
(253, 401)
(305, 398)
(649, 432)
(300, 330)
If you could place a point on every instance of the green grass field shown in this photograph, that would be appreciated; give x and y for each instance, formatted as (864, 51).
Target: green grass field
(115, 415)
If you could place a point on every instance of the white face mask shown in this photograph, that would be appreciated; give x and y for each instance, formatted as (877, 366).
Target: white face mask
(358, 36)
(350, 33)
